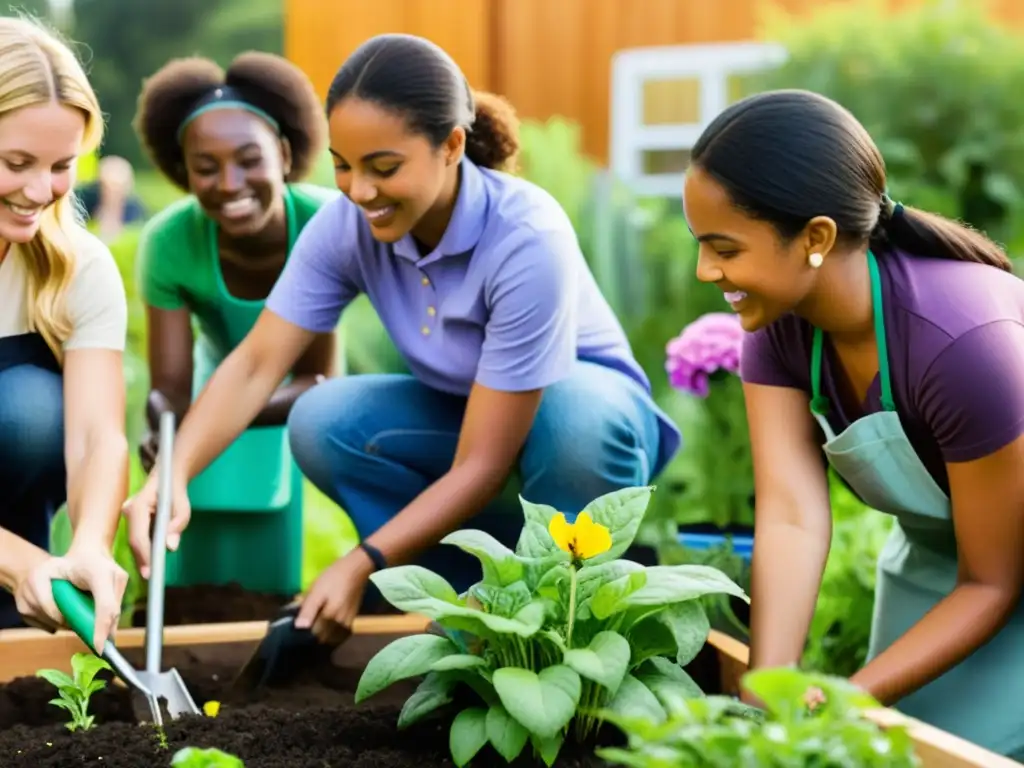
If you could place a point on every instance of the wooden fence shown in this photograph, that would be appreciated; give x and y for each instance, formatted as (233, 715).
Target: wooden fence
(549, 57)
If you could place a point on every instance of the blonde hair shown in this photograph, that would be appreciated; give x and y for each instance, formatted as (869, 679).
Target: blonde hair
(37, 67)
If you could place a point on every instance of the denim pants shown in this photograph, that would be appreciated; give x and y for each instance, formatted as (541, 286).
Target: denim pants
(374, 442)
(32, 473)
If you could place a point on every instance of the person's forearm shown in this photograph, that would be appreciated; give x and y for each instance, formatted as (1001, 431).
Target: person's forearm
(97, 487)
(17, 556)
(163, 399)
(786, 576)
(276, 411)
(231, 399)
(957, 626)
(443, 507)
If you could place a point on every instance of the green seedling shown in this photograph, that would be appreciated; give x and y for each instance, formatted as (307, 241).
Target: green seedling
(75, 690)
(194, 757)
(555, 631)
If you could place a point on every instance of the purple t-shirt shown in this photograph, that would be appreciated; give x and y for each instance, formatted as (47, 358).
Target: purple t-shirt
(955, 333)
(506, 299)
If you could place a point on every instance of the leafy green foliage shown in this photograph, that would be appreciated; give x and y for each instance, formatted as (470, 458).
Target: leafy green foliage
(936, 84)
(194, 757)
(720, 732)
(837, 642)
(74, 690)
(544, 640)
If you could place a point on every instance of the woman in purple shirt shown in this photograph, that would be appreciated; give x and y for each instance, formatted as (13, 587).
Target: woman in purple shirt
(892, 341)
(519, 367)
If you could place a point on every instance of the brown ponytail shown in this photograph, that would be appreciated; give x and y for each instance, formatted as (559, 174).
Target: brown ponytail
(493, 139)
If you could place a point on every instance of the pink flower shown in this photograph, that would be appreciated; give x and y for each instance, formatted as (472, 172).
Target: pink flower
(709, 344)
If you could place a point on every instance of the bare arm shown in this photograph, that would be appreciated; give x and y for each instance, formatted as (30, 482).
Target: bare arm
(95, 446)
(17, 557)
(237, 391)
(170, 343)
(793, 520)
(171, 369)
(318, 360)
(494, 430)
(988, 518)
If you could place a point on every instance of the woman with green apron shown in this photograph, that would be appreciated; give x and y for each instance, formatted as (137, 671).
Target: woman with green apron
(238, 142)
(888, 342)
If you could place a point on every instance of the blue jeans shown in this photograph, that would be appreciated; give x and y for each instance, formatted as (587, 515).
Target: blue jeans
(374, 442)
(32, 473)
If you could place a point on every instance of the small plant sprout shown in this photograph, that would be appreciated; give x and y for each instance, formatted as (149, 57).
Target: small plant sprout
(553, 634)
(75, 690)
(194, 757)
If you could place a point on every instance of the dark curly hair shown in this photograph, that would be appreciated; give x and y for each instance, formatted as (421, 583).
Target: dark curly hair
(420, 81)
(267, 81)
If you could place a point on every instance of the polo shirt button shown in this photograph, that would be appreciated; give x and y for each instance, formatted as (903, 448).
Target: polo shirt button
(425, 280)
(425, 331)
(431, 311)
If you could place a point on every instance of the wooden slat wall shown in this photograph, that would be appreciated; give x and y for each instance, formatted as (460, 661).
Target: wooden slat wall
(549, 57)
(320, 34)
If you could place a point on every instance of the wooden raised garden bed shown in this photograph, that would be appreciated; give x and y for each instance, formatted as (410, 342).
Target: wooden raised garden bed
(311, 723)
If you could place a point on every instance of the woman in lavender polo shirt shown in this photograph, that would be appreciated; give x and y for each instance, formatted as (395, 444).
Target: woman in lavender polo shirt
(892, 340)
(519, 366)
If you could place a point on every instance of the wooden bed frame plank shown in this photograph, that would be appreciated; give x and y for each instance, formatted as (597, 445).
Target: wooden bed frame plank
(23, 651)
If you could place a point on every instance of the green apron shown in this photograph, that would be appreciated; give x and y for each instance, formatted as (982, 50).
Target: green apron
(979, 699)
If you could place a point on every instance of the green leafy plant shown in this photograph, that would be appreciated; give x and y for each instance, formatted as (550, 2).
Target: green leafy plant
(75, 689)
(553, 632)
(723, 557)
(720, 732)
(194, 757)
(869, 56)
(837, 641)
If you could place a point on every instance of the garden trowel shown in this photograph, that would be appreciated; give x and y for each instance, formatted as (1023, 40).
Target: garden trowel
(283, 653)
(164, 685)
(79, 612)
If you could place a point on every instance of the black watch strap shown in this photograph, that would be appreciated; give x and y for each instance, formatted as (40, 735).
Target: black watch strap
(379, 563)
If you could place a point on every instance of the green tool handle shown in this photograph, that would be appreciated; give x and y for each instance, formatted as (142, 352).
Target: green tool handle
(78, 609)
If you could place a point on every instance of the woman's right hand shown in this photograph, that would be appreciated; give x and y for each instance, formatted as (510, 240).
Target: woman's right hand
(140, 510)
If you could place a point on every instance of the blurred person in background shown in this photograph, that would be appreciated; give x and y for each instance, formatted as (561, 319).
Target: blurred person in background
(110, 200)
(519, 367)
(63, 326)
(887, 342)
(238, 142)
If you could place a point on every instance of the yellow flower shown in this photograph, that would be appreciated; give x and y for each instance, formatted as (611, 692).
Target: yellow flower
(583, 539)
(211, 708)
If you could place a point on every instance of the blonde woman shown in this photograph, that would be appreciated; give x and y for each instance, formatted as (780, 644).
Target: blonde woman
(63, 320)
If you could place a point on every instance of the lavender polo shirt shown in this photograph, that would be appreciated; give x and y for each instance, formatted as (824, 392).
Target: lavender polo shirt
(506, 299)
(955, 332)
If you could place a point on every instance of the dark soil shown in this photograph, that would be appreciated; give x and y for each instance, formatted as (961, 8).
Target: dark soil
(311, 723)
(208, 604)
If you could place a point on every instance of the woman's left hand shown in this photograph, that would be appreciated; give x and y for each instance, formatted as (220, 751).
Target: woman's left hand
(90, 568)
(333, 601)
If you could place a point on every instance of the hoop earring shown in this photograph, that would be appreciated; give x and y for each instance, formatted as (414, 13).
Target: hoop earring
(815, 260)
